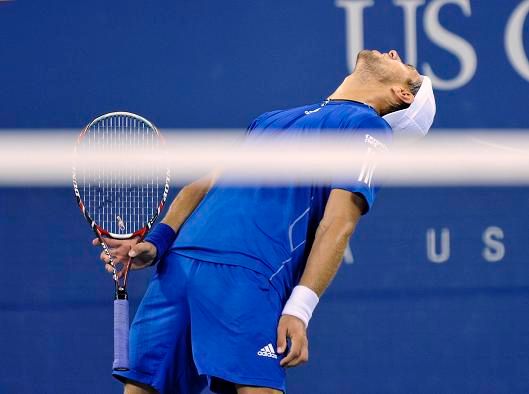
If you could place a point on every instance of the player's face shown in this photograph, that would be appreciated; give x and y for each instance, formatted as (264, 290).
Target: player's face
(386, 67)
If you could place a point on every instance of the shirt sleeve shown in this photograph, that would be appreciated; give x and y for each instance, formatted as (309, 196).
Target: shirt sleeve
(257, 123)
(373, 134)
(252, 126)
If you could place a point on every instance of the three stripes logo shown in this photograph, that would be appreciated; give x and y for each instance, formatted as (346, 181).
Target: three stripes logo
(267, 351)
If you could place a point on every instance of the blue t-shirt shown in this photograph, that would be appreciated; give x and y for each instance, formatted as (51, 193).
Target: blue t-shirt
(271, 229)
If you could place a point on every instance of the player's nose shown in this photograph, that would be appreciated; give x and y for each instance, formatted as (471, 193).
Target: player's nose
(394, 55)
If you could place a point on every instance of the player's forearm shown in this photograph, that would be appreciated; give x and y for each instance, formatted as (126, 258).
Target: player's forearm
(186, 201)
(327, 253)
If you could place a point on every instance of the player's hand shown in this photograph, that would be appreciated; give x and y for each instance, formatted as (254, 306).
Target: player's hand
(141, 254)
(293, 328)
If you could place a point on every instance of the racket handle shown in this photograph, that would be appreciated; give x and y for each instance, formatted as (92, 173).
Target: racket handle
(121, 335)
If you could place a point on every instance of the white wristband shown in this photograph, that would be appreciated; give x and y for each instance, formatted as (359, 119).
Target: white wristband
(301, 304)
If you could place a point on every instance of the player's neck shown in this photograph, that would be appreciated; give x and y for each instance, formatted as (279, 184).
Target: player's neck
(358, 89)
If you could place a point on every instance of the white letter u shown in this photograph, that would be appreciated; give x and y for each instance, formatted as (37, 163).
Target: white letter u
(431, 247)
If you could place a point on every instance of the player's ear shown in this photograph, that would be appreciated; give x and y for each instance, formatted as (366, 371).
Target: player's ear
(403, 94)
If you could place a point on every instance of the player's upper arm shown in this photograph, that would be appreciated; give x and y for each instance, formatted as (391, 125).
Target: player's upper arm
(373, 133)
(345, 208)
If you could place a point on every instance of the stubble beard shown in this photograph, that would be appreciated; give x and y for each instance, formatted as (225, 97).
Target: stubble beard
(368, 66)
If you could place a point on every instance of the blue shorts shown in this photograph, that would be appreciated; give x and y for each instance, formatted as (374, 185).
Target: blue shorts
(203, 322)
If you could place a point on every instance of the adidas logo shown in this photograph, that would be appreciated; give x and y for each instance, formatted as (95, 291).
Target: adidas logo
(267, 351)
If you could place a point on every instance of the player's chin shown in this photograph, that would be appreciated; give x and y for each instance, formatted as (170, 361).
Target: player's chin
(369, 52)
(368, 55)
(363, 54)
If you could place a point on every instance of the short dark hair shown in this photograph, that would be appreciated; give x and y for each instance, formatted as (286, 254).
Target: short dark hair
(414, 86)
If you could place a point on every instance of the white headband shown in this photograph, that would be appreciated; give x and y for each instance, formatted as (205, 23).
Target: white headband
(415, 121)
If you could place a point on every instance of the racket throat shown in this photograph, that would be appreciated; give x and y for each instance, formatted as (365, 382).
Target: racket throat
(121, 293)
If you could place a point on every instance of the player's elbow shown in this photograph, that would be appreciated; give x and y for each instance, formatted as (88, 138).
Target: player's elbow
(201, 186)
(342, 227)
(195, 189)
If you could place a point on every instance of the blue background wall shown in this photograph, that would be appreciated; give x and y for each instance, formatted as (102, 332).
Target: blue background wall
(393, 321)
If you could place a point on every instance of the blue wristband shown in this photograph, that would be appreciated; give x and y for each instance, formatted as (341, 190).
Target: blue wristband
(162, 237)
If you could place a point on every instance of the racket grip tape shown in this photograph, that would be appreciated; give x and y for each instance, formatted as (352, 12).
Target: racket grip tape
(121, 335)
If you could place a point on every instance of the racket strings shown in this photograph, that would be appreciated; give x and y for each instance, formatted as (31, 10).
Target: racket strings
(121, 200)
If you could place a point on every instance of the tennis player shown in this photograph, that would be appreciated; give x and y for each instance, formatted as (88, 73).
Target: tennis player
(241, 269)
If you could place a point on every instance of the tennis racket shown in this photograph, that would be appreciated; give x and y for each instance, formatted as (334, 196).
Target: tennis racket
(121, 184)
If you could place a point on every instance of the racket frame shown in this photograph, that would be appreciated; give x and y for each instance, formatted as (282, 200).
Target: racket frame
(120, 288)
